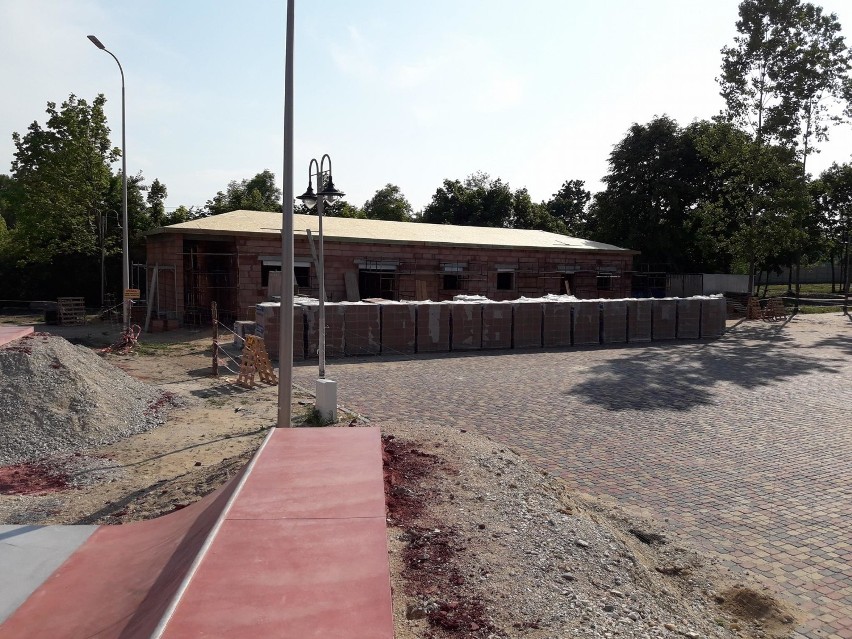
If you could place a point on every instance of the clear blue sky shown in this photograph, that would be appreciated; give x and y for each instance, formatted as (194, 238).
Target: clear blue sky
(534, 92)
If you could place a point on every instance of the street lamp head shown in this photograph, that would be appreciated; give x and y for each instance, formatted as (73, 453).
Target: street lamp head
(309, 198)
(329, 193)
(96, 42)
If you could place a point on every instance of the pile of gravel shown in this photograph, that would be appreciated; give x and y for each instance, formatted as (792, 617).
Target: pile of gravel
(56, 397)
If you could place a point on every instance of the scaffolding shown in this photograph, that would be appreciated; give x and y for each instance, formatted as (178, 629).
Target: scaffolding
(210, 277)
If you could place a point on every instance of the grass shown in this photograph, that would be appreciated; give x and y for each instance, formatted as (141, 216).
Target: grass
(816, 310)
(776, 290)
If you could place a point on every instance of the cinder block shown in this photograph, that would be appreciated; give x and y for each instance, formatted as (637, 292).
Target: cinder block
(614, 322)
(688, 318)
(639, 314)
(362, 329)
(556, 329)
(527, 324)
(467, 327)
(497, 325)
(433, 328)
(398, 323)
(587, 323)
(713, 313)
(664, 318)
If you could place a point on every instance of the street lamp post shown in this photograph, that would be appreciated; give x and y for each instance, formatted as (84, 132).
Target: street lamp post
(326, 194)
(125, 263)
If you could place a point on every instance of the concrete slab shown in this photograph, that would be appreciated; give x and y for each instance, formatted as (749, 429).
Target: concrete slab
(10, 333)
(29, 555)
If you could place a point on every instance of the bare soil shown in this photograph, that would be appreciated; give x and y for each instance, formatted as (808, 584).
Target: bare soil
(481, 544)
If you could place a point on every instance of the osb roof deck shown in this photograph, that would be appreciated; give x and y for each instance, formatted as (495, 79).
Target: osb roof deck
(381, 232)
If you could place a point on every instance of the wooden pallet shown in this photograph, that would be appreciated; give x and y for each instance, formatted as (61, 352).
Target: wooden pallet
(754, 310)
(72, 310)
(775, 310)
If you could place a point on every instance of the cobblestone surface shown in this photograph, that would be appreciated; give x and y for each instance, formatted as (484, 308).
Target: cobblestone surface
(744, 443)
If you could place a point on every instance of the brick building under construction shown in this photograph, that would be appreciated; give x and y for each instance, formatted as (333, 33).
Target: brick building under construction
(228, 259)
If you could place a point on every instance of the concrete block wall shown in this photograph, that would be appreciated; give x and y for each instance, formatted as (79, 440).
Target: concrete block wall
(466, 333)
(367, 329)
(398, 325)
(614, 322)
(664, 319)
(433, 328)
(639, 320)
(587, 323)
(361, 329)
(556, 324)
(527, 324)
(497, 325)
(688, 318)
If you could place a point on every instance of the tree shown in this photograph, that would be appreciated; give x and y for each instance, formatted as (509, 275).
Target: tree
(832, 194)
(388, 203)
(654, 183)
(257, 194)
(63, 171)
(754, 81)
(478, 201)
(156, 198)
(570, 205)
(527, 214)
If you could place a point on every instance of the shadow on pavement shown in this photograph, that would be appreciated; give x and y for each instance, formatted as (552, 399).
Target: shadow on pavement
(679, 376)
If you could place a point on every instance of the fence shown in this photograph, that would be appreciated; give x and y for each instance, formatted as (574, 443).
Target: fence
(424, 327)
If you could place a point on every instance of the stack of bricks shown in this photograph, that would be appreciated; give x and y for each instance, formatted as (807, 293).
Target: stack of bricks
(334, 330)
(688, 318)
(587, 323)
(497, 325)
(639, 313)
(527, 325)
(268, 328)
(664, 318)
(614, 322)
(433, 328)
(713, 312)
(361, 329)
(398, 328)
(467, 327)
(556, 325)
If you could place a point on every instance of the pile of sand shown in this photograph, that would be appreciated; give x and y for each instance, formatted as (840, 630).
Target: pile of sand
(56, 397)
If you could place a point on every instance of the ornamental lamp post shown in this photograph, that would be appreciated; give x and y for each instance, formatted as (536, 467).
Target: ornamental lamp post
(125, 262)
(326, 389)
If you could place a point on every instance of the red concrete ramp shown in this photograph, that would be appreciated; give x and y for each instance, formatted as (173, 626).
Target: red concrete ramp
(295, 548)
(9, 333)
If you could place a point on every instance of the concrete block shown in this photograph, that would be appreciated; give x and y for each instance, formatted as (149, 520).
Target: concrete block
(614, 322)
(587, 323)
(334, 336)
(664, 319)
(497, 325)
(398, 322)
(527, 324)
(639, 320)
(688, 318)
(362, 329)
(556, 326)
(467, 327)
(326, 400)
(433, 328)
(241, 329)
(713, 313)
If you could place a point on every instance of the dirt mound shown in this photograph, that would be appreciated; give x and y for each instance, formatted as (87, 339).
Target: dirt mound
(57, 397)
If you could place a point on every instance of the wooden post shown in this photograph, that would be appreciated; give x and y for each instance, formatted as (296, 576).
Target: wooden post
(214, 312)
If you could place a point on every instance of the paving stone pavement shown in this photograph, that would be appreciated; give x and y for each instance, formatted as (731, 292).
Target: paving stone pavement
(744, 443)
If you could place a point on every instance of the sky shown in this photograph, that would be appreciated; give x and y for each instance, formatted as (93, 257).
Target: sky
(403, 92)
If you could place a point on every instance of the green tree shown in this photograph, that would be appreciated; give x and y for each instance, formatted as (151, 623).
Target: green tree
(527, 214)
(570, 205)
(388, 203)
(655, 180)
(478, 201)
(256, 194)
(63, 171)
(9, 199)
(832, 194)
(156, 199)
